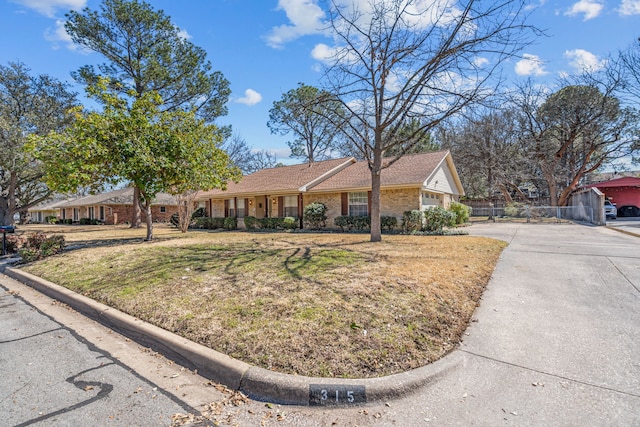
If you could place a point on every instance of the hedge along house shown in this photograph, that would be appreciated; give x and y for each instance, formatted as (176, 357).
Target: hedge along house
(414, 182)
(115, 207)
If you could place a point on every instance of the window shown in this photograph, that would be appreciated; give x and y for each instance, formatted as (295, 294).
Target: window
(101, 213)
(230, 208)
(92, 212)
(241, 208)
(163, 209)
(76, 214)
(358, 204)
(290, 206)
(430, 199)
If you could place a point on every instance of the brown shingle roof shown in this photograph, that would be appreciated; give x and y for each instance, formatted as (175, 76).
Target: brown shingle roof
(409, 170)
(123, 196)
(284, 179)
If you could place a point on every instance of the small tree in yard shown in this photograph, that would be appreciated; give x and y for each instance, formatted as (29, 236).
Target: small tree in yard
(157, 151)
(185, 209)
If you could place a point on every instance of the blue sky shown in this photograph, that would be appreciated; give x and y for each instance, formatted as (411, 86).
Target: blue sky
(265, 47)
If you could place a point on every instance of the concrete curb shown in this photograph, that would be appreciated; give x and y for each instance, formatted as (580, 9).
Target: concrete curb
(257, 383)
(623, 230)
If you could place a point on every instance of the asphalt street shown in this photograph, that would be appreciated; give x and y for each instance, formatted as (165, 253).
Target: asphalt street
(554, 342)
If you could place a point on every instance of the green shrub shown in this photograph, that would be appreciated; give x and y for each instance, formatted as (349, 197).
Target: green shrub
(230, 224)
(13, 243)
(52, 245)
(199, 213)
(38, 246)
(250, 222)
(68, 221)
(412, 221)
(51, 219)
(208, 223)
(437, 218)
(388, 222)
(515, 209)
(315, 215)
(361, 222)
(342, 222)
(29, 254)
(462, 212)
(290, 223)
(84, 221)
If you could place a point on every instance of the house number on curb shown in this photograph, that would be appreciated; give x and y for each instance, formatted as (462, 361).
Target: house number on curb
(330, 394)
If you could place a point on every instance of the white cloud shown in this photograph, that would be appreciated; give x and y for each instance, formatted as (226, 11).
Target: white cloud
(183, 34)
(49, 7)
(583, 60)
(530, 65)
(323, 53)
(629, 7)
(59, 36)
(590, 8)
(480, 62)
(305, 17)
(251, 97)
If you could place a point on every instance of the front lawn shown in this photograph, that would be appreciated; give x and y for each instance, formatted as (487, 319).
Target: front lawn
(332, 305)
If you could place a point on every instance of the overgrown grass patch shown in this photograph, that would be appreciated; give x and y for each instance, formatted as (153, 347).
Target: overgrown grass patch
(331, 305)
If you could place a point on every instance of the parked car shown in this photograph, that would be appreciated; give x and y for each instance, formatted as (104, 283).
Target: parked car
(629, 210)
(610, 210)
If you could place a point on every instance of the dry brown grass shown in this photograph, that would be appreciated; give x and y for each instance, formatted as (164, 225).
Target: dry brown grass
(331, 305)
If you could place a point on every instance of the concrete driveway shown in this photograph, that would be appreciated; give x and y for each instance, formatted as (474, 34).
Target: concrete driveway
(555, 341)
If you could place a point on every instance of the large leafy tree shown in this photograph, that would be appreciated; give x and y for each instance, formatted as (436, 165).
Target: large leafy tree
(573, 132)
(29, 105)
(402, 62)
(154, 149)
(146, 53)
(310, 116)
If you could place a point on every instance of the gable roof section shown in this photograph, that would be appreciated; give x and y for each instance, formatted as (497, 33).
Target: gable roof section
(411, 170)
(50, 205)
(284, 179)
(123, 196)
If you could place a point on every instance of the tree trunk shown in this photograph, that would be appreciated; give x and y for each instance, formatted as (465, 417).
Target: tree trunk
(376, 234)
(147, 208)
(136, 221)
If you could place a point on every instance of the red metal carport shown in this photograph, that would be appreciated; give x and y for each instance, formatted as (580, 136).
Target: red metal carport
(624, 192)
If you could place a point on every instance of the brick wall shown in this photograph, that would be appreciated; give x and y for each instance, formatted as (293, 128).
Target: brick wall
(392, 203)
(121, 214)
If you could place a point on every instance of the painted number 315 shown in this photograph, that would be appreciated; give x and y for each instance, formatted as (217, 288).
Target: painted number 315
(336, 394)
(324, 395)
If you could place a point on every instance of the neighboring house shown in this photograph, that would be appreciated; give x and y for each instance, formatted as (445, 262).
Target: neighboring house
(623, 192)
(414, 182)
(41, 211)
(115, 207)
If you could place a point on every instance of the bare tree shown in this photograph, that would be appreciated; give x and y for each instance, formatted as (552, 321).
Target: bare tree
(399, 62)
(185, 208)
(488, 153)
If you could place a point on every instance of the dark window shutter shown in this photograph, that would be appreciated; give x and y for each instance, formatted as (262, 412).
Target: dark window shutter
(226, 208)
(246, 207)
(369, 203)
(345, 203)
(280, 206)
